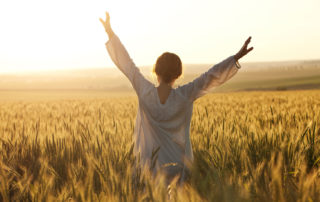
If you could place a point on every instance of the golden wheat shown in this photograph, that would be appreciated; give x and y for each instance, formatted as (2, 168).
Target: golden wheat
(250, 146)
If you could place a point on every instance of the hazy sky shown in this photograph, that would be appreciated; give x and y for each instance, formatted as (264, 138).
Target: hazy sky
(41, 34)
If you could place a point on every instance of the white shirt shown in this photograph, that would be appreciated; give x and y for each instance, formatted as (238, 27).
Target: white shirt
(162, 130)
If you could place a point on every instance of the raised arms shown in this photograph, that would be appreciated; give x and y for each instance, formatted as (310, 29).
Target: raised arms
(122, 60)
(216, 75)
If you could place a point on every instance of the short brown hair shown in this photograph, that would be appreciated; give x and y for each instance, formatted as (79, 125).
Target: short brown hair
(168, 67)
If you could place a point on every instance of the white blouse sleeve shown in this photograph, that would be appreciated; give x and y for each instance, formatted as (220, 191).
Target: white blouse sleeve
(122, 60)
(215, 76)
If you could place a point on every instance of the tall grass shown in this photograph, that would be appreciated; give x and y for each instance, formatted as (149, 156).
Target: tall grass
(258, 146)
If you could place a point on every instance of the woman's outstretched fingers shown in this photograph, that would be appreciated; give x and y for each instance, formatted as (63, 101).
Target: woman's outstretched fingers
(101, 21)
(107, 16)
(250, 49)
(244, 49)
(107, 26)
(247, 51)
(248, 40)
(106, 22)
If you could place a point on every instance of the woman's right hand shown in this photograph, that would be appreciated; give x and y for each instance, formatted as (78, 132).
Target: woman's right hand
(107, 26)
(244, 50)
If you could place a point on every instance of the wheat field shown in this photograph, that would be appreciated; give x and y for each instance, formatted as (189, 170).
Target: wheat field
(248, 146)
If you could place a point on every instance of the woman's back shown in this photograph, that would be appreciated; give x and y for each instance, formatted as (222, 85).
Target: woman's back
(164, 128)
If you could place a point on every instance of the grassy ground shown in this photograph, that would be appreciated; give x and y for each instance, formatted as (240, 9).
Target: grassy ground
(75, 146)
(293, 83)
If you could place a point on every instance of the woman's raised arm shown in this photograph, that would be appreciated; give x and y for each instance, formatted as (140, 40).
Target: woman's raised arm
(216, 75)
(122, 60)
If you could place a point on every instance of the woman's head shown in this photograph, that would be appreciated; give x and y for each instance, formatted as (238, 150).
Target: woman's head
(168, 67)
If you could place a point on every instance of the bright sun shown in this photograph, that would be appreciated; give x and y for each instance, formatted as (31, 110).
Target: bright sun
(53, 34)
(41, 34)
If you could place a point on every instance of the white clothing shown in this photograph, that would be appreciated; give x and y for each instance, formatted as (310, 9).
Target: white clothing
(166, 126)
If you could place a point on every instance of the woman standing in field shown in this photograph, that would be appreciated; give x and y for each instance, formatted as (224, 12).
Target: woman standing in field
(162, 137)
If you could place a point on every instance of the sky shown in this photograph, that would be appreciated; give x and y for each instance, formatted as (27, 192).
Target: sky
(62, 34)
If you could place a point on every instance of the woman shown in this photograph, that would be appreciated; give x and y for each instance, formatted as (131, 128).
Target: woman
(161, 136)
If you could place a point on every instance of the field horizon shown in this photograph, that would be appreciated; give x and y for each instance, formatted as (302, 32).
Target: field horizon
(286, 75)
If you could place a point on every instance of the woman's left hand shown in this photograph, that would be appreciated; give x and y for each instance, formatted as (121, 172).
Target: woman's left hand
(107, 26)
